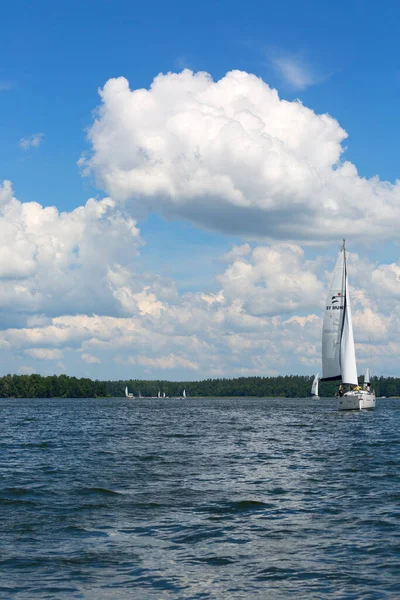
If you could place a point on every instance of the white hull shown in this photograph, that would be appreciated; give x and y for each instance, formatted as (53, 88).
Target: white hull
(314, 397)
(356, 400)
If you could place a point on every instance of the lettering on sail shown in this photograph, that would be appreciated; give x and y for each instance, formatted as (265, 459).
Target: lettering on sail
(335, 301)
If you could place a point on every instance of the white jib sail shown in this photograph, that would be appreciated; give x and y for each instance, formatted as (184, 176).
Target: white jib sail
(348, 352)
(333, 321)
(314, 387)
(367, 377)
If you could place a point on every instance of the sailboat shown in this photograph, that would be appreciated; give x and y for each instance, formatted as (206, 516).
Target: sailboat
(314, 387)
(338, 350)
(128, 394)
(159, 394)
(184, 394)
(367, 380)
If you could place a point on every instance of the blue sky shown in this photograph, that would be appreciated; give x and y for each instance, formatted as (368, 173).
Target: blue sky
(340, 59)
(56, 56)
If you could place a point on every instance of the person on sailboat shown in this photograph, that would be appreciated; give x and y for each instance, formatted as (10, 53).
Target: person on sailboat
(341, 391)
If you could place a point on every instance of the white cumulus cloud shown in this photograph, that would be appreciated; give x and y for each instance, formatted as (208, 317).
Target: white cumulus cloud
(55, 262)
(230, 155)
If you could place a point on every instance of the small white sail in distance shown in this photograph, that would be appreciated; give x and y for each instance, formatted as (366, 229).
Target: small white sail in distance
(367, 378)
(184, 394)
(128, 394)
(314, 387)
(338, 351)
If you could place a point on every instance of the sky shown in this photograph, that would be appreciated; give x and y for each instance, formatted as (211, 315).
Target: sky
(176, 180)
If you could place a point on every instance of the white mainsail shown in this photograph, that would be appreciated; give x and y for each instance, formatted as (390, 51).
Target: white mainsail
(338, 351)
(184, 394)
(159, 394)
(348, 351)
(314, 387)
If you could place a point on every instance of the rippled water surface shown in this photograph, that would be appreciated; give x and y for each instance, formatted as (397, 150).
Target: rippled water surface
(199, 499)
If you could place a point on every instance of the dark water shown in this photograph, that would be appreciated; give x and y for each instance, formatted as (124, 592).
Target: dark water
(199, 499)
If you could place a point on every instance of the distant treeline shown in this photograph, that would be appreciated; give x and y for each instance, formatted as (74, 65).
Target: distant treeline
(290, 386)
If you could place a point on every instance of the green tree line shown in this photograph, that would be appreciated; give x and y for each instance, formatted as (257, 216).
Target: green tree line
(289, 386)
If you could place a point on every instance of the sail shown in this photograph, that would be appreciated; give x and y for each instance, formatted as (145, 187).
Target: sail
(126, 391)
(159, 394)
(184, 393)
(163, 395)
(367, 377)
(314, 387)
(348, 352)
(333, 321)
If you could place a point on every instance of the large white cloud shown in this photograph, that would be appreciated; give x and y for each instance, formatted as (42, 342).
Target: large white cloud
(265, 319)
(272, 280)
(232, 156)
(55, 262)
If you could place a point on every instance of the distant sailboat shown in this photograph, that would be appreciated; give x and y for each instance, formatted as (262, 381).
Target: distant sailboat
(338, 350)
(367, 380)
(163, 395)
(314, 387)
(128, 394)
(184, 394)
(159, 394)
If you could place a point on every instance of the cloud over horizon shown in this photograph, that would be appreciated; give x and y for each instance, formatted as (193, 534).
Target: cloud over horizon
(230, 156)
(71, 290)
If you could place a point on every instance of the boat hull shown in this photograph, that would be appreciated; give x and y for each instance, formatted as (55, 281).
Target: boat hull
(356, 400)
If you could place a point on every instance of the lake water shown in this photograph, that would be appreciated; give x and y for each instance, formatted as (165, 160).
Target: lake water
(200, 499)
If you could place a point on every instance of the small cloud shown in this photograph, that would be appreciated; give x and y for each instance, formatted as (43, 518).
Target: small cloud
(44, 353)
(295, 71)
(89, 358)
(166, 362)
(6, 86)
(32, 141)
(182, 63)
(26, 370)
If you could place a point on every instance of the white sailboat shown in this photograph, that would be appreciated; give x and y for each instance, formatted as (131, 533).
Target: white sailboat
(128, 394)
(314, 387)
(159, 394)
(338, 350)
(184, 394)
(367, 380)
